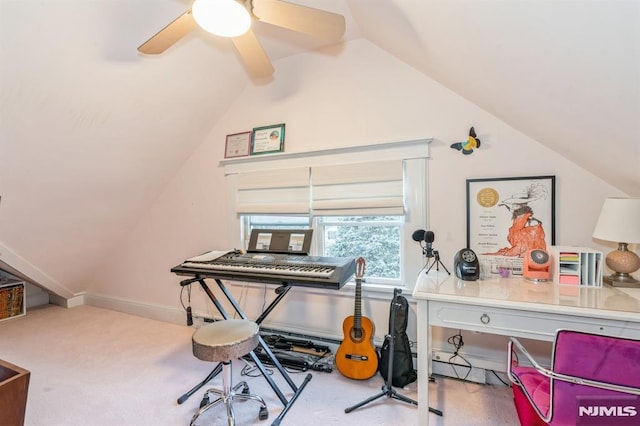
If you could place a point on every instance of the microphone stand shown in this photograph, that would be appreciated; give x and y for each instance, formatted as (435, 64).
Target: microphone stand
(387, 389)
(437, 262)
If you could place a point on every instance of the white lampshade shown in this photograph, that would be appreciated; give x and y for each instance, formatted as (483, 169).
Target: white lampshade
(226, 18)
(619, 221)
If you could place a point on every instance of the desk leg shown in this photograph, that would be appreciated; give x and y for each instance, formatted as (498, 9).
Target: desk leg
(424, 361)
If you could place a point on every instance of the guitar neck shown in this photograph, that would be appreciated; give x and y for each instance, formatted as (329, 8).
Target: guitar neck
(357, 310)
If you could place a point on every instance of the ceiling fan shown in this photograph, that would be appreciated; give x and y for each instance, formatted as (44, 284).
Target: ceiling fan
(295, 17)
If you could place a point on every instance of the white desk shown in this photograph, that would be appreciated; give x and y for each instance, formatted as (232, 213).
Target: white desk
(515, 307)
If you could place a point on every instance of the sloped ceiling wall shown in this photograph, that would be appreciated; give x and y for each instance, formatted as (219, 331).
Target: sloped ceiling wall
(91, 132)
(565, 73)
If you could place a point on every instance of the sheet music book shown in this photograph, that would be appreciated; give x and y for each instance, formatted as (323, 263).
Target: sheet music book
(283, 241)
(208, 256)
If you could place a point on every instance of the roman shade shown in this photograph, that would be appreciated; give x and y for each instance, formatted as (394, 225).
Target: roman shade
(368, 188)
(278, 191)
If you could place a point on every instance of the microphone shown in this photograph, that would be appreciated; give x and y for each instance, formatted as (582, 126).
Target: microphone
(421, 236)
(189, 316)
(428, 238)
(418, 235)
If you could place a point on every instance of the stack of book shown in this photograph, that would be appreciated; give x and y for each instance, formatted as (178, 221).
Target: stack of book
(11, 300)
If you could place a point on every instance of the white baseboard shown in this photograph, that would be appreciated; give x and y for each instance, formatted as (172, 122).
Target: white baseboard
(146, 310)
(462, 372)
(176, 315)
(70, 302)
(475, 360)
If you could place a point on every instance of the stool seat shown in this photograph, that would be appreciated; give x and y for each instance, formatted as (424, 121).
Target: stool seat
(225, 340)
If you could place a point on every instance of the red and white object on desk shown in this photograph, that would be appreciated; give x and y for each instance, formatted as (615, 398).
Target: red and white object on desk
(537, 265)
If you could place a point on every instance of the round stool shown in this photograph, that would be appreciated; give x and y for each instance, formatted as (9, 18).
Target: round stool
(224, 341)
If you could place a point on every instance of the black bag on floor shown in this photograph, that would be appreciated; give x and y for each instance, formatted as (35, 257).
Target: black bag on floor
(403, 372)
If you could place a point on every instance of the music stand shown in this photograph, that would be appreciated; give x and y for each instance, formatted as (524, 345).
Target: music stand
(387, 388)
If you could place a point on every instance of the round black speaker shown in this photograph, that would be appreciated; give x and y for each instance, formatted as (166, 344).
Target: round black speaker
(539, 256)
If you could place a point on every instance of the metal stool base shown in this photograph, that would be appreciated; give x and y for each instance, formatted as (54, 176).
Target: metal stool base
(227, 395)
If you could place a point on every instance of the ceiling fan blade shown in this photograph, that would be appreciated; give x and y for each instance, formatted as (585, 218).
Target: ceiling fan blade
(299, 18)
(167, 36)
(253, 55)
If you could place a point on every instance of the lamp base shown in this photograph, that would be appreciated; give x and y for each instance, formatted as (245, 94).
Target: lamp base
(620, 279)
(623, 263)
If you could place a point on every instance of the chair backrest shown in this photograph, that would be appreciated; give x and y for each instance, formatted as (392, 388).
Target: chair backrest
(607, 359)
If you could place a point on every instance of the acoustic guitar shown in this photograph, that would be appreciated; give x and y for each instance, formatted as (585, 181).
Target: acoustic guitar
(356, 357)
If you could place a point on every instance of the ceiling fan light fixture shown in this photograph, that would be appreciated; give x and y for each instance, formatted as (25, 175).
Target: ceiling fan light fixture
(225, 18)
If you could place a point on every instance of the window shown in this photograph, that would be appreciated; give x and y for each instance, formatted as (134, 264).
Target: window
(357, 204)
(276, 222)
(376, 238)
(250, 222)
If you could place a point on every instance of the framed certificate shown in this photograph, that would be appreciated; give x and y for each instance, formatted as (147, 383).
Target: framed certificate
(508, 216)
(268, 139)
(237, 145)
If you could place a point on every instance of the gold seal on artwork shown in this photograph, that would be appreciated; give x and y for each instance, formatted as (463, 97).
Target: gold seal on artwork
(487, 197)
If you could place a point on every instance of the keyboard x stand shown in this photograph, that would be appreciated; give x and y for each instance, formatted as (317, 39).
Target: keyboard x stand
(281, 293)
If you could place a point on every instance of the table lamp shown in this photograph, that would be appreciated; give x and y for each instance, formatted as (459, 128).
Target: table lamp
(620, 221)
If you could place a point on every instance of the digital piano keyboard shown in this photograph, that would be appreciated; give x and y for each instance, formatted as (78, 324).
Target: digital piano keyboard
(272, 268)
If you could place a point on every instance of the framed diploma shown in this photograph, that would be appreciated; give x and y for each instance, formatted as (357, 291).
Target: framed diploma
(509, 216)
(237, 145)
(268, 139)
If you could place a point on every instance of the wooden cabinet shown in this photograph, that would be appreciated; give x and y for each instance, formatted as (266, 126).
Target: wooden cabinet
(577, 265)
(14, 386)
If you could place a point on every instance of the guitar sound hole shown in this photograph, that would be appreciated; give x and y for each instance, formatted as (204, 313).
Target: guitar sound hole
(356, 334)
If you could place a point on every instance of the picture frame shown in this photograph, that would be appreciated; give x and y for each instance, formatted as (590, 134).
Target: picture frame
(508, 216)
(268, 139)
(237, 145)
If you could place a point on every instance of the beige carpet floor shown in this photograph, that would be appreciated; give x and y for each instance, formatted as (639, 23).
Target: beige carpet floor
(92, 366)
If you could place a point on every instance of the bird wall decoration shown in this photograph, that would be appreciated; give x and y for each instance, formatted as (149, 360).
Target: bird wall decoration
(469, 145)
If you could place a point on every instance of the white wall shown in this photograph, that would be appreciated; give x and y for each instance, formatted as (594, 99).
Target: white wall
(359, 97)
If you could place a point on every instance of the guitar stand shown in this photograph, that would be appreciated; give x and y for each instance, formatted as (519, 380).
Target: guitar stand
(387, 388)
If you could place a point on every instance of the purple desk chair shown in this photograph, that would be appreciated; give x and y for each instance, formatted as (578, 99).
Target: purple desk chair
(593, 380)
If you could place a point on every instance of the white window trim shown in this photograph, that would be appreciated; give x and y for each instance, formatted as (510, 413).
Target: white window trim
(414, 152)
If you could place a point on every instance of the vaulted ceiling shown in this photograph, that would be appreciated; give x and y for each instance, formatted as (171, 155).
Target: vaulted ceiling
(78, 101)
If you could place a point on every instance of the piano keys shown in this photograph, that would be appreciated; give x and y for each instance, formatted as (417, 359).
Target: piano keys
(272, 268)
